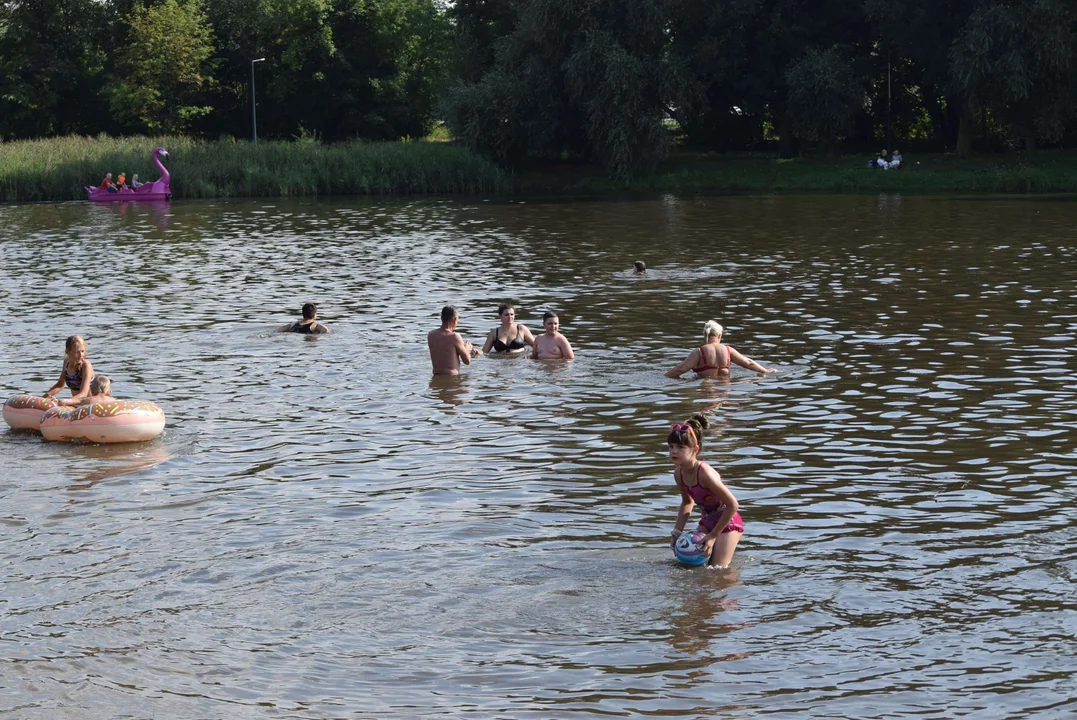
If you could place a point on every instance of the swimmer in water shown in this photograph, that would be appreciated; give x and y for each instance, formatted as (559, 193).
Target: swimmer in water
(76, 373)
(552, 345)
(447, 348)
(701, 484)
(712, 358)
(509, 338)
(308, 326)
(639, 268)
(100, 392)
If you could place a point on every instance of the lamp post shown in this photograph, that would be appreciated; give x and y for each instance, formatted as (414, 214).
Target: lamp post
(254, 116)
(889, 102)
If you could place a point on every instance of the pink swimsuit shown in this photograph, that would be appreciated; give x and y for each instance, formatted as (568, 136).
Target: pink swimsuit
(711, 508)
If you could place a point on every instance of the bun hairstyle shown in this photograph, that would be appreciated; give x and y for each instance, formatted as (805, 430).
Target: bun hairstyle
(690, 433)
(711, 328)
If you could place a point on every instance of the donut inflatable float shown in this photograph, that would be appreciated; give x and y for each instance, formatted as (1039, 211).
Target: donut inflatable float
(24, 412)
(109, 422)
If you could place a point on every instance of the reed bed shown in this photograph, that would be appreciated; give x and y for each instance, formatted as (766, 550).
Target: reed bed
(59, 168)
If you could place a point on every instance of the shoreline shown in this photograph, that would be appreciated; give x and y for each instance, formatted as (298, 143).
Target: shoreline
(57, 169)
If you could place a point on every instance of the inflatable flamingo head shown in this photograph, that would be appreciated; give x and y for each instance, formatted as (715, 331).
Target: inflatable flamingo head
(161, 151)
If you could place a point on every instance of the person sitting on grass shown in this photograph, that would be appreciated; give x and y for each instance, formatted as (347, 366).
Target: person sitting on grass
(895, 161)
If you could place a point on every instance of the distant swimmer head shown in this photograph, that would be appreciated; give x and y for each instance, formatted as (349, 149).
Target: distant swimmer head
(689, 434)
(310, 310)
(712, 328)
(101, 385)
(640, 267)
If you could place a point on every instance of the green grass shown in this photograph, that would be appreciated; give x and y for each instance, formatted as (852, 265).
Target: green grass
(689, 172)
(58, 168)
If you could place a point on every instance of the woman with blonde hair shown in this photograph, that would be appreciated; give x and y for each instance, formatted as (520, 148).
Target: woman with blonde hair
(712, 358)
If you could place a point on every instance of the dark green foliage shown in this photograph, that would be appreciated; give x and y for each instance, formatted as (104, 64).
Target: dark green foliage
(526, 82)
(52, 57)
(823, 95)
(1016, 58)
(586, 78)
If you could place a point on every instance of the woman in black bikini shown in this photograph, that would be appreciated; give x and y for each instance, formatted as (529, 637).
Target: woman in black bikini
(712, 358)
(509, 338)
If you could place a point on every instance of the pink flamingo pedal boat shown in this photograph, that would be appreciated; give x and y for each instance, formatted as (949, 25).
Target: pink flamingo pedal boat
(160, 189)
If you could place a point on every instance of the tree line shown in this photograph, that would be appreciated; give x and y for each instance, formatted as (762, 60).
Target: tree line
(608, 81)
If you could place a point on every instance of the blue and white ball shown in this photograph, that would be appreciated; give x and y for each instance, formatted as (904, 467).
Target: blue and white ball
(689, 549)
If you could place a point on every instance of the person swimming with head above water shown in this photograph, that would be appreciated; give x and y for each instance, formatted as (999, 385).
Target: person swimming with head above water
(76, 373)
(447, 348)
(712, 359)
(552, 345)
(510, 337)
(700, 484)
(308, 326)
(639, 268)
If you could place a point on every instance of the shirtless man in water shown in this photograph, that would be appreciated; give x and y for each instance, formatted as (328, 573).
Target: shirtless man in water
(447, 348)
(552, 345)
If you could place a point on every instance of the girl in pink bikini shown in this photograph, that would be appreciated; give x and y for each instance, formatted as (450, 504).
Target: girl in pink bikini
(701, 484)
(712, 359)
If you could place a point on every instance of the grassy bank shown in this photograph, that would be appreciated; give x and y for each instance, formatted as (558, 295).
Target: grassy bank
(701, 173)
(58, 168)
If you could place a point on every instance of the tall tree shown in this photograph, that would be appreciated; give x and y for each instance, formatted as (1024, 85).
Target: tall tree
(160, 73)
(478, 26)
(589, 77)
(823, 96)
(1016, 59)
(336, 69)
(51, 61)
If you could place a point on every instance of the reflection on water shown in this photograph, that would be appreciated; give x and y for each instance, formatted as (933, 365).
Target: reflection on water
(325, 530)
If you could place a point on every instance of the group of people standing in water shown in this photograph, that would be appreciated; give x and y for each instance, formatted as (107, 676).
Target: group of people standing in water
(448, 348)
(720, 527)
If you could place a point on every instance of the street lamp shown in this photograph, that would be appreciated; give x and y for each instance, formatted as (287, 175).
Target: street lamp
(254, 116)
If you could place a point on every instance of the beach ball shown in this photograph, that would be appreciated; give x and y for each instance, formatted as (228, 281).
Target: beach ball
(689, 549)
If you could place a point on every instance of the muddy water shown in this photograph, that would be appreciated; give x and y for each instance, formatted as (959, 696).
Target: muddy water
(324, 531)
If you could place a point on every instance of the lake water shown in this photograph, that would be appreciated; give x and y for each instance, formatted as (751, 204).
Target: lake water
(323, 531)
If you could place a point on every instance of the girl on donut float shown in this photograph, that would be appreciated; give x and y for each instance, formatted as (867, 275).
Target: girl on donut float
(76, 373)
(701, 484)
